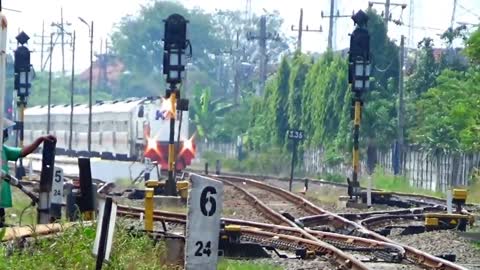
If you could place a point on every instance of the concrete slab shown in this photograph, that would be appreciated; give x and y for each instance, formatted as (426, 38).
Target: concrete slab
(175, 251)
(167, 201)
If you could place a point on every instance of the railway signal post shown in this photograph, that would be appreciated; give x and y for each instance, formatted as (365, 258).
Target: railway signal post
(22, 68)
(46, 181)
(175, 44)
(358, 77)
(295, 136)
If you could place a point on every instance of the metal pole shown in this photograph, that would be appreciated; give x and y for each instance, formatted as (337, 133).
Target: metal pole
(50, 84)
(235, 78)
(63, 41)
(102, 245)
(300, 29)
(20, 170)
(87, 199)
(72, 90)
(43, 42)
(387, 13)
(401, 106)
(171, 187)
(356, 132)
(263, 54)
(330, 24)
(3, 64)
(46, 179)
(294, 153)
(90, 91)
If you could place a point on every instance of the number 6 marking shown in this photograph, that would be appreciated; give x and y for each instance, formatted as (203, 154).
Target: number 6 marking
(206, 197)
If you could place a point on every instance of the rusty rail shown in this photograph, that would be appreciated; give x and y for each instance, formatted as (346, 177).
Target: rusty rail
(286, 237)
(436, 200)
(412, 254)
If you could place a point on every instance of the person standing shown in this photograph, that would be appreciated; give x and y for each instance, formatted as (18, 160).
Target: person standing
(12, 154)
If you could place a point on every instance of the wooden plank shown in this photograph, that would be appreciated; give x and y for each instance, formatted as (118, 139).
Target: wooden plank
(13, 233)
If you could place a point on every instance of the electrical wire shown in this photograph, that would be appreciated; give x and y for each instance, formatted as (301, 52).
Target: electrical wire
(467, 10)
(23, 212)
(384, 70)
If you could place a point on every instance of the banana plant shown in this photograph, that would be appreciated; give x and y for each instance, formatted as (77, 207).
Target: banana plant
(207, 112)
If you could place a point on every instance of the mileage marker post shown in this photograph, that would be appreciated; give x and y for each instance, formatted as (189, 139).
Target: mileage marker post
(295, 135)
(205, 202)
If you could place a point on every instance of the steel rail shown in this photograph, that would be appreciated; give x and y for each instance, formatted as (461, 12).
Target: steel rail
(288, 237)
(340, 257)
(437, 200)
(412, 254)
(315, 220)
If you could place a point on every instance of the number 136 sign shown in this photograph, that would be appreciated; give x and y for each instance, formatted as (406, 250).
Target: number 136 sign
(205, 201)
(295, 134)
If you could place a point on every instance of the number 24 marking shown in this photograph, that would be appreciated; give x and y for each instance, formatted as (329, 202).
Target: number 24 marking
(200, 250)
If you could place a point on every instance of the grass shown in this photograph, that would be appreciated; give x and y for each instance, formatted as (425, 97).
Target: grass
(20, 203)
(241, 265)
(73, 250)
(388, 182)
(474, 193)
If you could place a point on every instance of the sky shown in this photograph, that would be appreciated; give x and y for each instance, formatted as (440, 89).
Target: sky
(434, 14)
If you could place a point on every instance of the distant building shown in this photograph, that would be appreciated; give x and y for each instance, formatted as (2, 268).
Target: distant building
(106, 72)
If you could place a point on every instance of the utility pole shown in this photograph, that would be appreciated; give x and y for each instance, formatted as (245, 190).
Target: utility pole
(72, 92)
(331, 25)
(63, 42)
(401, 107)
(100, 66)
(301, 30)
(387, 14)
(236, 87)
(262, 38)
(452, 21)
(50, 84)
(411, 22)
(90, 34)
(62, 32)
(44, 63)
(43, 43)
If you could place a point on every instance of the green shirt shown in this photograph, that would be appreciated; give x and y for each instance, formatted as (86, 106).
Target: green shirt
(8, 154)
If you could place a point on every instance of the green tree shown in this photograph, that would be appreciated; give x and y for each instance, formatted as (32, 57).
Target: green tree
(473, 47)
(448, 115)
(426, 70)
(279, 102)
(206, 113)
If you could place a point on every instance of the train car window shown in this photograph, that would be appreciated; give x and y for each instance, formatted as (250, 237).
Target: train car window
(141, 111)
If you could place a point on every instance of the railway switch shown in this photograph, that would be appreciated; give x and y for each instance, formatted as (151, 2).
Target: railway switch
(304, 253)
(152, 183)
(459, 198)
(231, 245)
(440, 221)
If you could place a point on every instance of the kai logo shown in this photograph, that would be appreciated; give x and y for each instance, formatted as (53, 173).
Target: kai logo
(161, 114)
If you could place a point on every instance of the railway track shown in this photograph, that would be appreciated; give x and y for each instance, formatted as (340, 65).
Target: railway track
(411, 254)
(322, 242)
(420, 199)
(292, 238)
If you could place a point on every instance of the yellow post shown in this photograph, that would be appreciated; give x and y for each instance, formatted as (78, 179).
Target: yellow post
(170, 188)
(149, 209)
(88, 215)
(356, 154)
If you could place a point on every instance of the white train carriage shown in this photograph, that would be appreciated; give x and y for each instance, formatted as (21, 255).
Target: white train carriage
(117, 127)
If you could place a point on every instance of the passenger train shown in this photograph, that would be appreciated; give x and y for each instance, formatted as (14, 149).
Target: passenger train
(121, 130)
